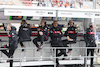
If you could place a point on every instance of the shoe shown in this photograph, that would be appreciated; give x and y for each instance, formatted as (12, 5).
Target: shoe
(64, 59)
(41, 46)
(57, 65)
(69, 50)
(9, 60)
(92, 66)
(22, 49)
(39, 49)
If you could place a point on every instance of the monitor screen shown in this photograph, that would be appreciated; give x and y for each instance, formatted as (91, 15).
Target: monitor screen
(48, 18)
(17, 17)
(32, 18)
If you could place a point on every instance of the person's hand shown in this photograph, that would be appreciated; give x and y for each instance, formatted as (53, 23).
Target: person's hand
(60, 33)
(38, 29)
(69, 39)
(8, 45)
(41, 33)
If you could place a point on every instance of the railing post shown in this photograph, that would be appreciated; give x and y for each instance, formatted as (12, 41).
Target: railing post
(20, 59)
(55, 57)
(85, 57)
(20, 62)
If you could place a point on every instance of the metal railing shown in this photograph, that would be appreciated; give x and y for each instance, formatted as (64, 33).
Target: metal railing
(54, 56)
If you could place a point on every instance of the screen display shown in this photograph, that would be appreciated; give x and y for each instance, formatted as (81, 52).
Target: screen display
(32, 18)
(17, 17)
(62, 18)
(1, 27)
(48, 18)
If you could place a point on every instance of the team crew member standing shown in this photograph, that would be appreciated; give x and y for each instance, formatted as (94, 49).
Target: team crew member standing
(90, 42)
(71, 35)
(42, 35)
(56, 34)
(12, 43)
(24, 33)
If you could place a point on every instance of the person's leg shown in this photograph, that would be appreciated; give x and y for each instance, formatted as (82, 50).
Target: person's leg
(62, 51)
(35, 42)
(65, 42)
(21, 43)
(57, 60)
(42, 39)
(92, 54)
(5, 51)
(88, 50)
(11, 52)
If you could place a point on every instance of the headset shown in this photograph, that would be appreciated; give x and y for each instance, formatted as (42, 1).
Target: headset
(90, 25)
(72, 22)
(55, 21)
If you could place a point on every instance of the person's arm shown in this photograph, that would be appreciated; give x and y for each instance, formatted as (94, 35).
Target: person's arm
(89, 38)
(38, 29)
(19, 32)
(55, 33)
(46, 31)
(30, 31)
(67, 35)
(13, 38)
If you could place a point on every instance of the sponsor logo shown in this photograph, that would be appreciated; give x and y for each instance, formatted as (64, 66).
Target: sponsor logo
(71, 32)
(66, 13)
(14, 11)
(97, 14)
(40, 12)
(57, 32)
(91, 33)
(50, 12)
(9, 35)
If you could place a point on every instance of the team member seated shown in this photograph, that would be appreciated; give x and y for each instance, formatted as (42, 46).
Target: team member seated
(56, 34)
(71, 35)
(42, 35)
(12, 43)
(24, 33)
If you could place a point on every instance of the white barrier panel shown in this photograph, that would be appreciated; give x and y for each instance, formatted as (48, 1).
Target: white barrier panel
(78, 14)
(24, 12)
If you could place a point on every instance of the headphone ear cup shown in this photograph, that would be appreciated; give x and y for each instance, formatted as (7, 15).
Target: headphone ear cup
(68, 23)
(91, 26)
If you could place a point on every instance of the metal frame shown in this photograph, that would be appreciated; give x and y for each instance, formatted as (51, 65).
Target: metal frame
(94, 5)
(28, 58)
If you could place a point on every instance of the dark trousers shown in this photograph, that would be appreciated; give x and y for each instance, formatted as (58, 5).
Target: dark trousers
(40, 38)
(62, 51)
(65, 42)
(91, 51)
(9, 54)
(21, 43)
